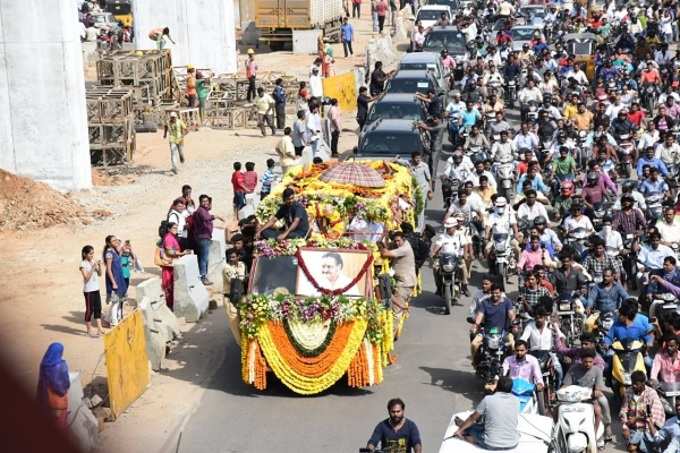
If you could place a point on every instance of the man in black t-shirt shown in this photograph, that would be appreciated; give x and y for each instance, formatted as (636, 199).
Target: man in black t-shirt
(362, 106)
(397, 434)
(293, 214)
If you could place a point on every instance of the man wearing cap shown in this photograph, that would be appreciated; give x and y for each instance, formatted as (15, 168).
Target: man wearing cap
(455, 241)
(177, 130)
(251, 72)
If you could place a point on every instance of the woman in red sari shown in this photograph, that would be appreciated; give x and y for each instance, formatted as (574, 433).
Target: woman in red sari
(169, 251)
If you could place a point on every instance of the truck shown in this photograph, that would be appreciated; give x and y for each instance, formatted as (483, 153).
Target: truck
(278, 19)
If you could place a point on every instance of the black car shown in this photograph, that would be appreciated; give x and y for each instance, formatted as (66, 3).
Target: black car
(412, 81)
(450, 38)
(398, 106)
(391, 138)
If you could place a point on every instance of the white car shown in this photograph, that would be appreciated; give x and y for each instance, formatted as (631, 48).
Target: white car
(535, 435)
(428, 15)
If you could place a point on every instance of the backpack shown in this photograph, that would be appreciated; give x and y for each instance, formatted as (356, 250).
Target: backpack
(190, 225)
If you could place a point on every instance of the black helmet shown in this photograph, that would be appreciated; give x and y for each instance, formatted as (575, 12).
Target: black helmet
(628, 186)
(592, 176)
(539, 220)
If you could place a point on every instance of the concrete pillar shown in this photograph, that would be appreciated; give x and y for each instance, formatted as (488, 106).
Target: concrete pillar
(43, 121)
(203, 30)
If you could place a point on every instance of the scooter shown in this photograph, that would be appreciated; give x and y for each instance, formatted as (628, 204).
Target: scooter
(576, 431)
(502, 258)
(570, 316)
(505, 176)
(668, 393)
(627, 359)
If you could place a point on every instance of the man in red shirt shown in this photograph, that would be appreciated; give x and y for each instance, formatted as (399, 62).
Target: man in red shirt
(381, 7)
(238, 185)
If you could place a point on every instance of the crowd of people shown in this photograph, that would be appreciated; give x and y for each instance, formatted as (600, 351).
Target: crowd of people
(579, 200)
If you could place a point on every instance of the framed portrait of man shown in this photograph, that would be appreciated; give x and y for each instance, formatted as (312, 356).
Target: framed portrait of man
(333, 270)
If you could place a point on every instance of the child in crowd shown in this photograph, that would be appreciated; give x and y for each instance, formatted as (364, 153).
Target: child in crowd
(127, 262)
(237, 184)
(234, 269)
(268, 177)
(250, 178)
(91, 270)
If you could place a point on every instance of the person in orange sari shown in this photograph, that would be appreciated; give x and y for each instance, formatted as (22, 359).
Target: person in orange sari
(53, 384)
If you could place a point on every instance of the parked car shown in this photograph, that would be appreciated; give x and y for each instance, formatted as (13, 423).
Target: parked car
(425, 60)
(104, 21)
(397, 106)
(412, 81)
(533, 14)
(392, 138)
(428, 15)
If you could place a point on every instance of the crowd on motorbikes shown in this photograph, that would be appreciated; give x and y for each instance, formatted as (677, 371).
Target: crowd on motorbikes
(577, 199)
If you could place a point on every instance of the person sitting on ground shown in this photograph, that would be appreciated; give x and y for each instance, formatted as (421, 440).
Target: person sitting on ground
(293, 214)
(499, 413)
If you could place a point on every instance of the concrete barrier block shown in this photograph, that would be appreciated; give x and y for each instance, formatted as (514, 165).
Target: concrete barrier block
(160, 323)
(85, 428)
(81, 421)
(191, 297)
(216, 259)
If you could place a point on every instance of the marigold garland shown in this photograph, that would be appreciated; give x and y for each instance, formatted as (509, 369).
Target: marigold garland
(305, 351)
(291, 368)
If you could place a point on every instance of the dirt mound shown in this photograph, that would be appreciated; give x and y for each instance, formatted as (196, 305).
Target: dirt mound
(26, 204)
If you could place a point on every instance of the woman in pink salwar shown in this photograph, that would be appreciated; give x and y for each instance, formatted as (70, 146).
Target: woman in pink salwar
(170, 250)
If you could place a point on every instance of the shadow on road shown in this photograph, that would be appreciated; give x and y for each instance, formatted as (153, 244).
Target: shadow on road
(461, 382)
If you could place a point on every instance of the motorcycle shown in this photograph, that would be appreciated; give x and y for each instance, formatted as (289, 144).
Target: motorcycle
(648, 95)
(505, 177)
(663, 306)
(626, 149)
(450, 188)
(576, 431)
(511, 92)
(668, 393)
(629, 260)
(491, 354)
(447, 269)
(502, 258)
(627, 359)
(532, 112)
(570, 320)
(654, 206)
(547, 396)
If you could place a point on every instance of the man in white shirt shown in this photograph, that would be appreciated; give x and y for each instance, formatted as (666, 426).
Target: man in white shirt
(669, 227)
(479, 171)
(454, 240)
(614, 108)
(539, 334)
(578, 225)
(613, 243)
(651, 256)
(525, 139)
(530, 209)
(503, 150)
(669, 151)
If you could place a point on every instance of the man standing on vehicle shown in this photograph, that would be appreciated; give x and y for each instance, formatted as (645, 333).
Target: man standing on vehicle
(499, 413)
(404, 265)
(421, 172)
(397, 433)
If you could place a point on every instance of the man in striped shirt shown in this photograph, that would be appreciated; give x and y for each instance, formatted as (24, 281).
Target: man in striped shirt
(268, 177)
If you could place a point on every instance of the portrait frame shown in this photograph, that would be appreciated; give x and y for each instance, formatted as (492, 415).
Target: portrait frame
(323, 266)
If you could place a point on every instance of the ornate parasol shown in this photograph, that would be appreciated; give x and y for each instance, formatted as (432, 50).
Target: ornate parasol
(353, 173)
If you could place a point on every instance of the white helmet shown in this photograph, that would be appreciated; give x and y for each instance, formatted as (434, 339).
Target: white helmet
(500, 202)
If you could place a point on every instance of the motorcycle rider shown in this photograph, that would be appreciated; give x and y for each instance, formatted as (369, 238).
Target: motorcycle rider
(503, 150)
(540, 336)
(629, 189)
(641, 407)
(529, 209)
(630, 219)
(525, 138)
(594, 192)
(570, 279)
(476, 139)
(648, 160)
(458, 166)
(605, 297)
(548, 237)
(497, 126)
(531, 294)
(669, 152)
(534, 179)
(586, 374)
(666, 363)
(502, 219)
(669, 227)
(597, 262)
(530, 93)
(456, 241)
(577, 225)
(525, 366)
(654, 186)
(613, 242)
(621, 125)
(564, 200)
(669, 435)
(494, 312)
(479, 171)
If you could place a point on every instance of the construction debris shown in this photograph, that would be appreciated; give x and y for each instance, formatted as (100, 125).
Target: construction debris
(111, 125)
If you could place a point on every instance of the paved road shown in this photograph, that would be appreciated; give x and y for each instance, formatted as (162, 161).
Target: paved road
(433, 376)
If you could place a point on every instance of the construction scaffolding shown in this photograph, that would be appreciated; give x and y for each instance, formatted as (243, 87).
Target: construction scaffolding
(111, 125)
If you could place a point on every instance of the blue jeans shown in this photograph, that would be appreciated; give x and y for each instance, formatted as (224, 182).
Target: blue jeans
(203, 252)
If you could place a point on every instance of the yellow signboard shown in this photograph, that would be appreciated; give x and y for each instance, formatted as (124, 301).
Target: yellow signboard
(127, 365)
(343, 88)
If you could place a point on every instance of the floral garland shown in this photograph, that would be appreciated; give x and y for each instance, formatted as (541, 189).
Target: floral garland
(308, 376)
(271, 247)
(334, 292)
(305, 351)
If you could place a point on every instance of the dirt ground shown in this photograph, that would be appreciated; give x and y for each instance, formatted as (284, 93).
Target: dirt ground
(40, 296)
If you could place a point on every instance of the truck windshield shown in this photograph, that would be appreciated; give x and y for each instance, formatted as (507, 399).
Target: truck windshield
(273, 273)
